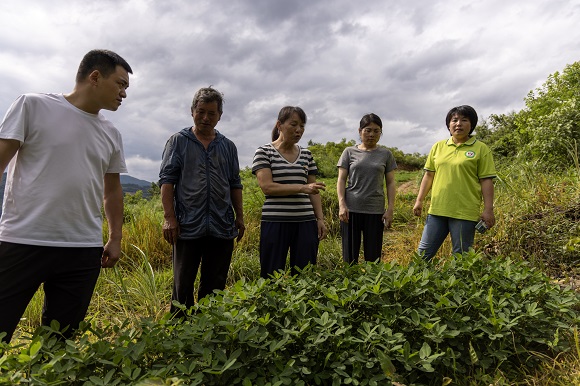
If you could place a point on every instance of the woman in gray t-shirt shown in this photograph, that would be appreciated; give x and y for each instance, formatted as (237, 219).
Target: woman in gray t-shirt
(362, 202)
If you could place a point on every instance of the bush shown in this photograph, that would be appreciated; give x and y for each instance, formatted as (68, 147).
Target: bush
(364, 325)
(537, 218)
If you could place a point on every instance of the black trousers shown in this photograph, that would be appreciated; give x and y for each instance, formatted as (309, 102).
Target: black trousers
(69, 276)
(370, 227)
(277, 237)
(214, 255)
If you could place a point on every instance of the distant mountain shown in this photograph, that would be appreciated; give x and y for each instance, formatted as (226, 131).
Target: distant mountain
(130, 185)
(128, 180)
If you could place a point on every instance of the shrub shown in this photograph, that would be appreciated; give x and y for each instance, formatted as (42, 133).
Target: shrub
(367, 325)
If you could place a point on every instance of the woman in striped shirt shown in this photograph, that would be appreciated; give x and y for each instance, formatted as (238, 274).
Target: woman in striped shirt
(292, 216)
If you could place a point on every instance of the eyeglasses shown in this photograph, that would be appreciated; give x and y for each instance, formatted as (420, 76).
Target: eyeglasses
(374, 131)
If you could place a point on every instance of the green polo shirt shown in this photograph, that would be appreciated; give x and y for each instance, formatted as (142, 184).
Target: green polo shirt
(456, 190)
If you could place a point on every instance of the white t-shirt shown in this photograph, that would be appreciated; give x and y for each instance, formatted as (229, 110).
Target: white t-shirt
(55, 182)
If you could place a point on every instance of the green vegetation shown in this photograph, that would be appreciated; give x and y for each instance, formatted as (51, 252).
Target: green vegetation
(362, 325)
(505, 314)
(547, 130)
(327, 155)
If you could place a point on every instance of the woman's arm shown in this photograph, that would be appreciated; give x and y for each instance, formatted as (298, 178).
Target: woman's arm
(341, 193)
(391, 192)
(425, 187)
(487, 191)
(317, 206)
(271, 188)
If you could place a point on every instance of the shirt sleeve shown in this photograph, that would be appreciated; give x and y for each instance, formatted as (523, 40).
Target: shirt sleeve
(430, 163)
(15, 122)
(391, 162)
(312, 168)
(486, 166)
(344, 160)
(170, 163)
(261, 160)
(117, 163)
(235, 179)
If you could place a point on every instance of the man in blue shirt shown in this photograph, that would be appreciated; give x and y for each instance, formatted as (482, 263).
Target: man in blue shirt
(201, 193)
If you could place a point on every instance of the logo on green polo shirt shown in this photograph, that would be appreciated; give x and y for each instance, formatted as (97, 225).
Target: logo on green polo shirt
(470, 154)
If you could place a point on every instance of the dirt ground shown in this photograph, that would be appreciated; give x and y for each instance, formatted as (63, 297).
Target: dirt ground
(408, 187)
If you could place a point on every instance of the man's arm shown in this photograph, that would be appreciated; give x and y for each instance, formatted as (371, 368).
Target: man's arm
(113, 204)
(238, 204)
(170, 224)
(8, 148)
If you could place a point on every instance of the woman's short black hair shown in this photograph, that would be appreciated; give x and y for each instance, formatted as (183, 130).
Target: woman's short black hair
(463, 111)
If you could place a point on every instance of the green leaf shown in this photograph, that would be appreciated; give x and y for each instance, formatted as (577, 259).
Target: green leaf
(425, 351)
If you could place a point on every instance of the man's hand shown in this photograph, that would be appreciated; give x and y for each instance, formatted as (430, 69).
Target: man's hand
(170, 230)
(240, 227)
(111, 254)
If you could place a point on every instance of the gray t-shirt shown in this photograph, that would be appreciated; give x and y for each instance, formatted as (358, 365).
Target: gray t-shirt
(366, 175)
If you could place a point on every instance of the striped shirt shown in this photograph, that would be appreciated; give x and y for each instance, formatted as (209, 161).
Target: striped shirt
(291, 208)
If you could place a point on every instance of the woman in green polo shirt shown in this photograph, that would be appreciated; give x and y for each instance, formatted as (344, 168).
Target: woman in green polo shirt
(459, 173)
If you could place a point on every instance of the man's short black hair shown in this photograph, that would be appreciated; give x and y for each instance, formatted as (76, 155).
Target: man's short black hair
(104, 61)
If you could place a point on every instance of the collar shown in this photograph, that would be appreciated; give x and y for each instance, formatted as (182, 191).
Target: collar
(187, 133)
(469, 142)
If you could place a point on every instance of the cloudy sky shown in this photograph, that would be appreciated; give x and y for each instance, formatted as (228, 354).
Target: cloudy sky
(407, 61)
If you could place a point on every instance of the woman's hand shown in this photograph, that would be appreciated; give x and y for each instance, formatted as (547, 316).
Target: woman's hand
(322, 230)
(313, 188)
(488, 217)
(388, 218)
(343, 213)
(418, 208)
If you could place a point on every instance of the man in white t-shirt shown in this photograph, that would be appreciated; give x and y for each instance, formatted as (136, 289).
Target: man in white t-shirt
(64, 159)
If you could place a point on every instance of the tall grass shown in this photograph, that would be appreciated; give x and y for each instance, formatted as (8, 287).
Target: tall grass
(538, 216)
(537, 219)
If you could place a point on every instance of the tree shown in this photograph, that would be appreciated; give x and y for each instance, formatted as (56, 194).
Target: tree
(550, 123)
(326, 156)
(154, 190)
(547, 130)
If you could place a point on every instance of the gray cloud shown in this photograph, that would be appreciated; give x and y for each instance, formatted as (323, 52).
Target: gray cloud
(408, 62)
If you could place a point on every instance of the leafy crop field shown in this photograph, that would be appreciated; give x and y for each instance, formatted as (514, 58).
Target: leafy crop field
(503, 314)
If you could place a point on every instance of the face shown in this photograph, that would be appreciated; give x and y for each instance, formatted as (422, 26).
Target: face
(205, 116)
(292, 129)
(370, 134)
(459, 128)
(112, 89)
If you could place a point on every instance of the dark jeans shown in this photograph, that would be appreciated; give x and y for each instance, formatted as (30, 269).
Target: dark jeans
(213, 254)
(69, 276)
(277, 237)
(370, 227)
